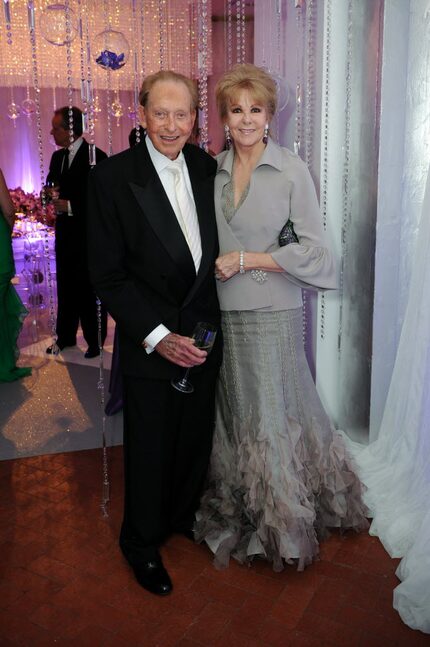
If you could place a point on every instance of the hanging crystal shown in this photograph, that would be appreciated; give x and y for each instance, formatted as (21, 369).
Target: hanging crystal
(346, 190)
(204, 9)
(46, 241)
(325, 134)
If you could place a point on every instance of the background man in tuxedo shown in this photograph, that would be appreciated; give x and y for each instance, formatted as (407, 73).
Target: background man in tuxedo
(155, 274)
(69, 170)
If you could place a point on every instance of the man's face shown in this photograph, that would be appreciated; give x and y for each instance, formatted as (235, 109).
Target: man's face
(60, 134)
(168, 117)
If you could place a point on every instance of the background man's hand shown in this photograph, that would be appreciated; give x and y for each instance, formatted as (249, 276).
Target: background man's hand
(180, 350)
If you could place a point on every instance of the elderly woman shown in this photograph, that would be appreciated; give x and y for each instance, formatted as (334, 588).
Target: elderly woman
(279, 474)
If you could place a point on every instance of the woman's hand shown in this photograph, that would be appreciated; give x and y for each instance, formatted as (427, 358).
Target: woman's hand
(227, 266)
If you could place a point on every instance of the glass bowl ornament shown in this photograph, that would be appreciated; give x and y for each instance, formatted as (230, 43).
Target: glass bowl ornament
(53, 24)
(111, 49)
(13, 111)
(28, 107)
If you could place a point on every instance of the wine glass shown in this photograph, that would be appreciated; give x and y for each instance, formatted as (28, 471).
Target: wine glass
(204, 337)
(52, 191)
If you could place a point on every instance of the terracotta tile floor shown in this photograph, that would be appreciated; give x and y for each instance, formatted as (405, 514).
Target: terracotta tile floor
(64, 582)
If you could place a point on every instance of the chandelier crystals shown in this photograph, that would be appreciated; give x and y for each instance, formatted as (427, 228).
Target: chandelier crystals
(175, 48)
(204, 5)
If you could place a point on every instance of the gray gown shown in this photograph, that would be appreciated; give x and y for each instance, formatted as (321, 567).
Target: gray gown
(279, 475)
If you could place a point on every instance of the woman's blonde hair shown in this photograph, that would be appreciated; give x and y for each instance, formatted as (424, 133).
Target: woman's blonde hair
(249, 77)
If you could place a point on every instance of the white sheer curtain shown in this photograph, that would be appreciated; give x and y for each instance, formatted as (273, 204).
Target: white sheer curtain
(396, 467)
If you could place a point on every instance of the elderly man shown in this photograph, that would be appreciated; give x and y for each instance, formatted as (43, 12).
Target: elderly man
(152, 248)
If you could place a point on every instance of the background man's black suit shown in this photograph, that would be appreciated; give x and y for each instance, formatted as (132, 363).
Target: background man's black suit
(144, 273)
(76, 297)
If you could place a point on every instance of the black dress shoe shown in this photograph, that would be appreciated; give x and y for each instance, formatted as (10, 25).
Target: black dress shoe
(91, 352)
(50, 349)
(153, 577)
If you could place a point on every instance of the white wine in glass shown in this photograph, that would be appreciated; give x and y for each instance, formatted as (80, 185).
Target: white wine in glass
(204, 337)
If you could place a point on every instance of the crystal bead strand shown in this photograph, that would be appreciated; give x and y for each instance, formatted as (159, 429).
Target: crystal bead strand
(326, 114)
(86, 74)
(310, 33)
(300, 54)
(310, 83)
(69, 70)
(279, 39)
(28, 101)
(8, 21)
(238, 30)
(135, 70)
(325, 133)
(162, 20)
(91, 115)
(46, 249)
(108, 111)
(142, 63)
(225, 34)
(346, 197)
(278, 66)
(84, 85)
(299, 63)
(108, 86)
(243, 43)
(204, 12)
(229, 34)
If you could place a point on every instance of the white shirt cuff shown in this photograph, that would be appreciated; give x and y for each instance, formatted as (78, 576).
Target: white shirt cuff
(69, 209)
(155, 337)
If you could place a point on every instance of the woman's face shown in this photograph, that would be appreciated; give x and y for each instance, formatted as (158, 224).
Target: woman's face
(246, 119)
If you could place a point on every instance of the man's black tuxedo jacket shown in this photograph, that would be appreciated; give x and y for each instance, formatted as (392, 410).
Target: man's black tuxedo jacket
(139, 261)
(71, 231)
(73, 187)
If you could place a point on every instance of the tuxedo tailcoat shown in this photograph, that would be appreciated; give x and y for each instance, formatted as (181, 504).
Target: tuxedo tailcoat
(76, 298)
(143, 271)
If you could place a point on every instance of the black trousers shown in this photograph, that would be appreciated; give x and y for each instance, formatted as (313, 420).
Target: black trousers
(167, 445)
(76, 299)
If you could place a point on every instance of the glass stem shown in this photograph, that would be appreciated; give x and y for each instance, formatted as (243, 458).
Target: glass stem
(184, 379)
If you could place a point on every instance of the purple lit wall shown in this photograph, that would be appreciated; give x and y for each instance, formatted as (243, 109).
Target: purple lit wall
(19, 155)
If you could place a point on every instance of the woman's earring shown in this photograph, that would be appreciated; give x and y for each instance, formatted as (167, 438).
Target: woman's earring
(227, 136)
(266, 134)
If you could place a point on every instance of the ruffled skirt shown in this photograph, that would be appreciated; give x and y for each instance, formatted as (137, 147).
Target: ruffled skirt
(279, 476)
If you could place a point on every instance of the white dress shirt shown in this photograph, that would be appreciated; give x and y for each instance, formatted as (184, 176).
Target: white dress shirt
(73, 149)
(161, 163)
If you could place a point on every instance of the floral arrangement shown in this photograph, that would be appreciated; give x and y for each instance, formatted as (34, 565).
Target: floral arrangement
(29, 206)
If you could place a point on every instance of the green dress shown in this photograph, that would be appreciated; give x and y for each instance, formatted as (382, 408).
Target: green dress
(12, 311)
